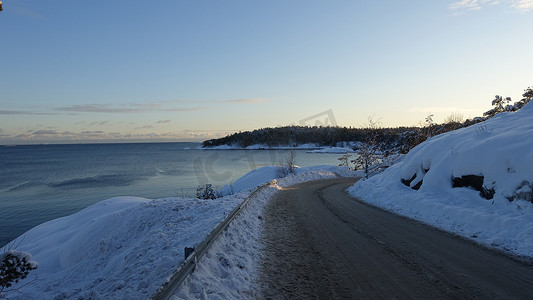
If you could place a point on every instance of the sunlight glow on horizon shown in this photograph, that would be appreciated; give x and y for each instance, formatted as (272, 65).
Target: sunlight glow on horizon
(191, 71)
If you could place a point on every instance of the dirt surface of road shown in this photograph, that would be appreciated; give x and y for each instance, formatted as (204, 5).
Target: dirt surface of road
(321, 243)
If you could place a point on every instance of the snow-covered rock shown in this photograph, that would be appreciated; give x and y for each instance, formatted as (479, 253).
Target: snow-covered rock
(498, 153)
(500, 150)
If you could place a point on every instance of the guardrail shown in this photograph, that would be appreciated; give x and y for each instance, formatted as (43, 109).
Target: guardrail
(187, 267)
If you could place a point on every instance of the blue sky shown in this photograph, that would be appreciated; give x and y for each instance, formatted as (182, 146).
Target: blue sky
(85, 71)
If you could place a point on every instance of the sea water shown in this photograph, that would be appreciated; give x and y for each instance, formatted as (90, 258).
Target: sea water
(39, 183)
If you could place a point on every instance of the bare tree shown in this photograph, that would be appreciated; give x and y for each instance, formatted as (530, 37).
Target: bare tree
(344, 160)
(369, 151)
(454, 118)
(290, 161)
(288, 166)
(429, 120)
(454, 121)
(430, 127)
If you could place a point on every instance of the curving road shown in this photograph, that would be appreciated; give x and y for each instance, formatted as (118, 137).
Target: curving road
(320, 243)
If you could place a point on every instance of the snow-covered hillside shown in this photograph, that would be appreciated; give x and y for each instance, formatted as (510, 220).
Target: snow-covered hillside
(127, 247)
(475, 181)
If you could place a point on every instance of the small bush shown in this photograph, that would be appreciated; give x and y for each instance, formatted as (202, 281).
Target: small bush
(205, 193)
(14, 266)
(282, 171)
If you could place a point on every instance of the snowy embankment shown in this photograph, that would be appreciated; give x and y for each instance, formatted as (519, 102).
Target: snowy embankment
(476, 182)
(127, 247)
(230, 268)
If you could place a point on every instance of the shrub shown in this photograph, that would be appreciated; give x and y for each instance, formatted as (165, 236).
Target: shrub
(205, 193)
(14, 266)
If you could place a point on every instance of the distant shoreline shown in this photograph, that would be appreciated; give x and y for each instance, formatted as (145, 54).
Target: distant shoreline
(311, 148)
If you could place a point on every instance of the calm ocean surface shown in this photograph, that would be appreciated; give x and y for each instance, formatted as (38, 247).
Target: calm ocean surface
(39, 183)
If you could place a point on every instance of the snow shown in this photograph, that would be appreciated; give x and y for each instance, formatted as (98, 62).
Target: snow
(341, 148)
(127, 247)
(500, 150)
(252, 179)
(336, 150)
(261, 147)
(118, 248)
(20, 255)
(221, 147)
(266, 174)
(230, 268)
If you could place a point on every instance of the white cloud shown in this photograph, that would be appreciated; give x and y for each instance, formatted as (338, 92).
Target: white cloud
(3, 134)
(462, 5)
(466, 4)
(523, 5)
(128, 108)
(54, 136)
(105, 108)
(101, 123)
(22, 112)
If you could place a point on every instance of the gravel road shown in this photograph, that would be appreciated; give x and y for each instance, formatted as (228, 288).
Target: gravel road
(320, 243)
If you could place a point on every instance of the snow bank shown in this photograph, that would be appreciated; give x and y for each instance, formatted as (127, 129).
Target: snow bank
(498, 153)
(118, 248)
(252, 179)
(327, 170)
(127, 247)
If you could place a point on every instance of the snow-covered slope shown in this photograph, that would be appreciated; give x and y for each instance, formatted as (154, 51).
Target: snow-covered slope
(127, 247)
(475, 181)
(118, 248)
